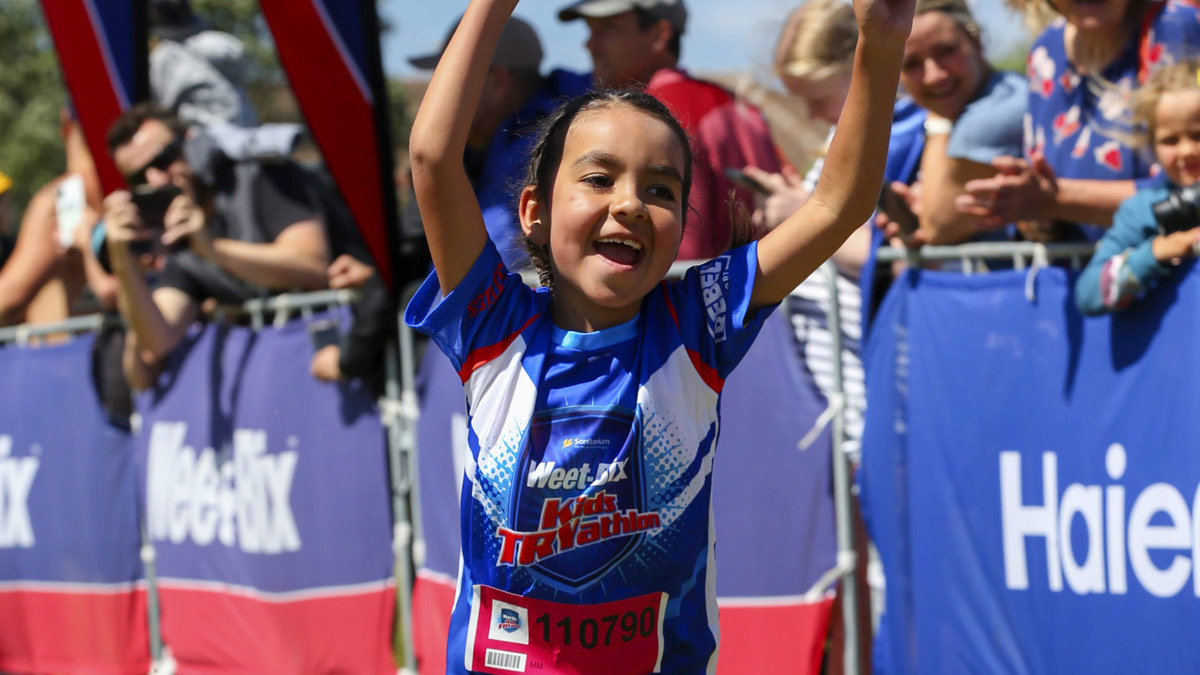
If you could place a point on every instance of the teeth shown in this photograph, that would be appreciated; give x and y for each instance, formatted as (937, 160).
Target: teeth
(625, 242)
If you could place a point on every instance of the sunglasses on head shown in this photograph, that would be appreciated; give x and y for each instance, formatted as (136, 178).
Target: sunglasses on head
(170, 153)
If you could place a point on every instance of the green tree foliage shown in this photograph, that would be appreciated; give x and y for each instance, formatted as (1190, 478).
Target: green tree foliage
(31, 96)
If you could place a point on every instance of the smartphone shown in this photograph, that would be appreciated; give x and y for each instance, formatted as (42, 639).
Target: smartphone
(69, 202)
(742, 178)
(323, 333)
(897, 210)
(152, 203)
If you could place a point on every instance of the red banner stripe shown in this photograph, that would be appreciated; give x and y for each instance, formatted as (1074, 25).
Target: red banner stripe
(211, 632)
(86, 66)
(340, 119)
(99, 633)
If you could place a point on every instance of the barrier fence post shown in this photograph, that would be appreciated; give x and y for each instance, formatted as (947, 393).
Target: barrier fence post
(843, 512)
(408, 387)
(157, 667)
(400, 412)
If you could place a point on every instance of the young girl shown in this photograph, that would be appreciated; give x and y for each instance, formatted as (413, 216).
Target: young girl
(586, 532)
(1133, 254)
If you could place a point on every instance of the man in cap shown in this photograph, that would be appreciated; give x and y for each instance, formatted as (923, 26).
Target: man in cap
(516, 96)
(636, 43)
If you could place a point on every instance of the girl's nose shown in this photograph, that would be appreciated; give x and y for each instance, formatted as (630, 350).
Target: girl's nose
(627, 201)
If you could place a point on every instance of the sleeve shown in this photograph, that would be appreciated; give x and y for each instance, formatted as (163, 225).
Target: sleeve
(991, 126)
(283, 197)
(1123, 266)
(489, 308)
(711, 305)
(1175, 31)
(175, 276)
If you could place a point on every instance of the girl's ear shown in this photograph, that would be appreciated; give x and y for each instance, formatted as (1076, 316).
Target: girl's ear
(534, 217)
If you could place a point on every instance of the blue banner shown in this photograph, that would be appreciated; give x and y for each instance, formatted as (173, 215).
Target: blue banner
(267, 502)
(71, 596)
(1030, 479)
(772, 503)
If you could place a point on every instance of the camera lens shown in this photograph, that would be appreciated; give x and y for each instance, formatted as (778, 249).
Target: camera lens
(1179, 211)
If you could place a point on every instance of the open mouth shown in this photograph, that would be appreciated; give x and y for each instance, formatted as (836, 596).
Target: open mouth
(625, 252)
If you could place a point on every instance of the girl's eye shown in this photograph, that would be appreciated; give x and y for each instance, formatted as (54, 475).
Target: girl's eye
(662, 192)
(598, 180)
(1168, 140)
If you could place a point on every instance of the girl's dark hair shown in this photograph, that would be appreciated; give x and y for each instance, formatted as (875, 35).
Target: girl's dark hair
(547, 152)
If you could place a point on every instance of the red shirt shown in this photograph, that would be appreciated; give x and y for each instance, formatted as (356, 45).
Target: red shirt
(725, 133)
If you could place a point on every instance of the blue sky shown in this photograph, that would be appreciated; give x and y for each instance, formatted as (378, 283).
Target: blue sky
(722, 35)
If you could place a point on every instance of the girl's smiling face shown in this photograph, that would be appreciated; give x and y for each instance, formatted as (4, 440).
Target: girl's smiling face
(615, 219)
(1177, 135)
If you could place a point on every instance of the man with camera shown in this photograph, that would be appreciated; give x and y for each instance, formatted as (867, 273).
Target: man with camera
(229, 232)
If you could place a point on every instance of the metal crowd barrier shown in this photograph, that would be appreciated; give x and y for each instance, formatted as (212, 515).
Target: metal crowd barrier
(972, 258)
(398, 409)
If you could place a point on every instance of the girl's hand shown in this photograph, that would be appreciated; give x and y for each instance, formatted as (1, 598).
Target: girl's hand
(1171, 249)
(889, 20)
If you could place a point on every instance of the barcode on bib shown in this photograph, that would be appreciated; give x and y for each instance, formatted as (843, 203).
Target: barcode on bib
(495, 658)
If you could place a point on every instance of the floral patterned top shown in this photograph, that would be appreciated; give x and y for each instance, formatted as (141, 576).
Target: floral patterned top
(1082, 124)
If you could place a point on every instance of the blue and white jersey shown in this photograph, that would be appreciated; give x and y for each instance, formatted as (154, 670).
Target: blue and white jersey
(586, 520)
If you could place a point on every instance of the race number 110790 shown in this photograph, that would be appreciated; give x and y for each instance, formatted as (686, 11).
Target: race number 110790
(602, 631)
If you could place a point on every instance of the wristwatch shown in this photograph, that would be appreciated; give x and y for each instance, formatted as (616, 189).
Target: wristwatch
(938, 126)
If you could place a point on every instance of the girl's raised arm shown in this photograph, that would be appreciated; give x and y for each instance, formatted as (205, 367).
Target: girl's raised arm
(850, 181)
(453, 222)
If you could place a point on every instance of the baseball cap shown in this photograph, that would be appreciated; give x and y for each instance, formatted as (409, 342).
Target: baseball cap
(671, 10)
(519, 48)
(5, 183)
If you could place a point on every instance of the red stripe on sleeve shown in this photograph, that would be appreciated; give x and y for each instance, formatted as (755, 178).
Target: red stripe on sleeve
(707, 372)
(670, 305)
(480, 357)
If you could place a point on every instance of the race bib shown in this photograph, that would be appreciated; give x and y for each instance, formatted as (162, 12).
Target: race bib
(512, 634)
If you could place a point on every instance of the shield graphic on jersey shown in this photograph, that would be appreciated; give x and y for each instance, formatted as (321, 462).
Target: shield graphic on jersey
(581, 478)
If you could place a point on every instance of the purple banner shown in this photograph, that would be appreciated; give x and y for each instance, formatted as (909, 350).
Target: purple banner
(71, 597)
(267, 502)
(772, 503)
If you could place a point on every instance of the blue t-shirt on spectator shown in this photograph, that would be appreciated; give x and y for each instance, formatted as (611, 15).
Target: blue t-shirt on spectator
(990, 126)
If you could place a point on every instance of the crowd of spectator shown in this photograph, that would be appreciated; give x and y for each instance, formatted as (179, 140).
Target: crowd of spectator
(977, 154)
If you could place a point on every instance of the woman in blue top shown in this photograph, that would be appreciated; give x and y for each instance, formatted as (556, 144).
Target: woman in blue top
(1079, 163)
(593, 404)
(1134, 254)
